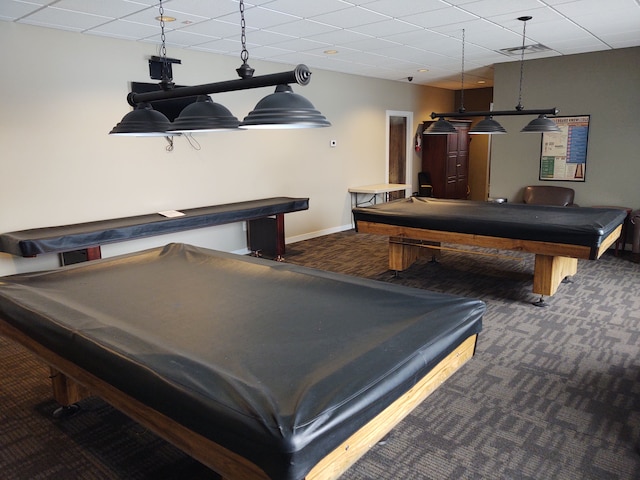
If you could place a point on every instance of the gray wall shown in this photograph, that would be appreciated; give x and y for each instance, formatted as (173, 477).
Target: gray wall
(604, 85)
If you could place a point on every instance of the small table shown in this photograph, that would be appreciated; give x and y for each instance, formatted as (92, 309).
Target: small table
(374, 190)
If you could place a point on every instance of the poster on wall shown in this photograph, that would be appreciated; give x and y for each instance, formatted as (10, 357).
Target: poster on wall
(563, 154)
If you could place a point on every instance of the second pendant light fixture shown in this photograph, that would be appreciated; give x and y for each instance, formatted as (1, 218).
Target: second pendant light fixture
(488, 125)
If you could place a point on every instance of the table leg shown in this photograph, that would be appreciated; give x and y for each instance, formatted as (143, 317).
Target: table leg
(94, 253)
(549, 271)
(67, 393)
(280, 248)
(403, 252)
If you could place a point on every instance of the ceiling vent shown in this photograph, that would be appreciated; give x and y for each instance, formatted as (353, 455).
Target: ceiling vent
(516, 51)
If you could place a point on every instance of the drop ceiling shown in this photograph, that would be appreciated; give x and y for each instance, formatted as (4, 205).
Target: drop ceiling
(389, 39)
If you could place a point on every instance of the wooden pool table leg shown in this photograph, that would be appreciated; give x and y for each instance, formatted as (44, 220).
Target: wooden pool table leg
(549, 271)
(403, 252)
(67, 393)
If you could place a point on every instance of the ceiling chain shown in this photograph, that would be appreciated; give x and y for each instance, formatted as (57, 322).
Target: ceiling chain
(524, 34)
(165, 83)
(244, 71)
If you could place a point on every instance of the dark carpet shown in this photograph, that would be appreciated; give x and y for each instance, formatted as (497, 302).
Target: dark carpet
(552, 393)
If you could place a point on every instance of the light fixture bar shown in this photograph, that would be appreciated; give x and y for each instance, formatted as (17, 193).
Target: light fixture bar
(300, 75)
(496, 113)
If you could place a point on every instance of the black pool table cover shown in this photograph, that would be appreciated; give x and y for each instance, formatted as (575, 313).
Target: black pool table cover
(569, 225)
(276, 362)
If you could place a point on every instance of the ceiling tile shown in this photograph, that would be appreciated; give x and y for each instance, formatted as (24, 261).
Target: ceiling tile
(351, 17)
(379, 38)
(404, 8)
(64, 19)
(126, 29)
(111, 9)
(306, 9)
(12, 10)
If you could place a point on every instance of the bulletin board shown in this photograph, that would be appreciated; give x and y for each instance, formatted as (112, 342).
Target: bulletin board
(563, 154)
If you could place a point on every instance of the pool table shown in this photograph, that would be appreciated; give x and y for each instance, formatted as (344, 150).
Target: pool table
(258, 369)
(558, 236)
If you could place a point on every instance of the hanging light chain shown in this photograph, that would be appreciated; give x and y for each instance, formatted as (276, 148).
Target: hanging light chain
(524, 34)
(166, 78)
(461, 109)
(163, 50)
(244, 54)
(244, 71)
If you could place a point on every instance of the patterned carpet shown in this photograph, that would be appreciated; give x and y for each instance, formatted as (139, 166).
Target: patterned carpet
(552, 393)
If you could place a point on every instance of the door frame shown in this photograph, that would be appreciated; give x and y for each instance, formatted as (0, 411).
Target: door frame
(409, 146)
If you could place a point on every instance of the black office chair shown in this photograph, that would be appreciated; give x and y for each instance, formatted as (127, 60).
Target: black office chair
(425, 189)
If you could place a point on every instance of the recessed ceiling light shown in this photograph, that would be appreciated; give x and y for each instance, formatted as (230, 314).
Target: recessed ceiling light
(331, 52)
(422, 70)
(165, 18)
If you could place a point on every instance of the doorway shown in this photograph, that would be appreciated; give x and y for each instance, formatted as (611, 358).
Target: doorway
(399, 151)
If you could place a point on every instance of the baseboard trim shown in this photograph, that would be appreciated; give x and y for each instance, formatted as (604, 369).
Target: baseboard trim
(317, 233)
(304, 236)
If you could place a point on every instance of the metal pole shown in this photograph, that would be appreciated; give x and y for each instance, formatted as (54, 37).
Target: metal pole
(300, 75)
(497, 113)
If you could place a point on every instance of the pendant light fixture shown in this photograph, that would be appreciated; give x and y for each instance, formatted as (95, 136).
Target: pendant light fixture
(443, 126)
(204, 115)
(489, 125)
(440, 127)
(282, 109)
(542, 123)
(143, 120)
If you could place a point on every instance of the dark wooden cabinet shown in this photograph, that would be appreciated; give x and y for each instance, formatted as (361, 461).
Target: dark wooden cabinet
(446, 159)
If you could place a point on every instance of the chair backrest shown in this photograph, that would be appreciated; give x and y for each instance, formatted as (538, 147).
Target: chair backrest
(548, 195)
(425, 189)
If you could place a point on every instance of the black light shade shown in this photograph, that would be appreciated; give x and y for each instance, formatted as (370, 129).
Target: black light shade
(441, 127)
(542, 124)
(284, 109)
(488, 126)
(204, 115)
(143, 121)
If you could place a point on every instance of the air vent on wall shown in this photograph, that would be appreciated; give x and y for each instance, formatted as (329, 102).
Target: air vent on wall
(516, 51)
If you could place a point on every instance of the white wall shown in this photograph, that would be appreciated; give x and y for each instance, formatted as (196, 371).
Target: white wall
(604, 85)
(62, 92)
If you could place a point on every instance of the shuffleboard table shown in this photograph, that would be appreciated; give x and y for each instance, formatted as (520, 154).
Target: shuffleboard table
(90, 236)
(558, 236)
(258, 369)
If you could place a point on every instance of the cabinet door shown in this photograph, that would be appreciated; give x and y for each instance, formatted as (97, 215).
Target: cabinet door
(462, 162)
(434, 151)
(452, 167)
(446, 159)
